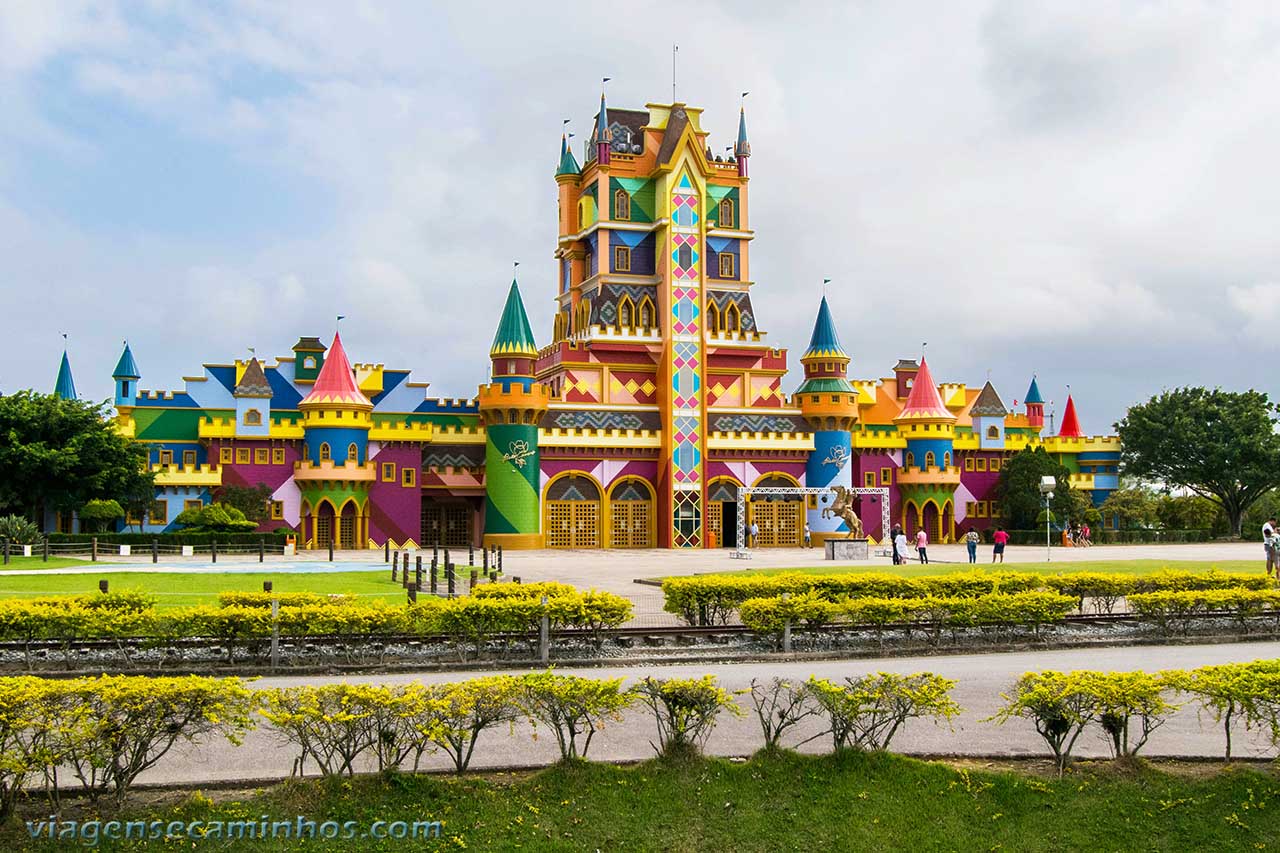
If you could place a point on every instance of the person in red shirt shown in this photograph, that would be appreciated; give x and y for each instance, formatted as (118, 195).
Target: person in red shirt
(1001, 538)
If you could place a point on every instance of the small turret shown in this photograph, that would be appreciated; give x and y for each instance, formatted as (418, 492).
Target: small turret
(988, 413)
(126, 376)
(742, 149)
(308, 359)
(1035, 405)
(601, 136)
(337, 416)
(1070, 421)
(253, 401)
(568, 163)
(65, 386)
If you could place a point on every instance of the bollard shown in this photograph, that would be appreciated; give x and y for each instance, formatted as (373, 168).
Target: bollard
(484, 558)
(213, 550)
(475, 577)
(386, 557)
(104, 586)
(544, 635)
(493, 577)
(275, 627)
(155, 550)
(417, 571)
(444, 559)
(6, 552)
(93, 549)
(435, 550)
(412, 593)
(435, 577)
(404, 564)
(786, 628)
(46, 549)
(262, 550)
(330, 550)
(471, 554)
(499, 558)
(395, 564)
(266, 586)
(515, 579)
(449, 576)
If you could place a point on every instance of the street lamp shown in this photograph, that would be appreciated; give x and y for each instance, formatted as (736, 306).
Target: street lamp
(1047, 485)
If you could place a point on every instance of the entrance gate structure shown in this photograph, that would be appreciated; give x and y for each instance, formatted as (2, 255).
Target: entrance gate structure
(742, 553)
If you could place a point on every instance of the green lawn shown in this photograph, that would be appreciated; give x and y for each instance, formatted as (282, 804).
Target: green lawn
(179, 590)
(1128, 567)
(31, 564)
(789, 802)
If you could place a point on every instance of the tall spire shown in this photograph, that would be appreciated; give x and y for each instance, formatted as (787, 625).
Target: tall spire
(924, 402)
(65, 387)
(742, 149)
(824, 342)
(126, 367)
(336, 384)
(568, 163)
(1070, 421)
(514, 337)
(601, 135)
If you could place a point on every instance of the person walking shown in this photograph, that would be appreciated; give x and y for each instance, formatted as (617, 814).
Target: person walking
(899, 547)
(1001, 539)
(922, 545)
(971, 540)
(893, 544)
(755, 532)
(808, 536)
(1269, 544)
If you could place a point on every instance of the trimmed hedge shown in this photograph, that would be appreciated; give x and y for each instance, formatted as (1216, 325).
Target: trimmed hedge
(275, 537)
(1103, 536)
(713, 599)
(1173, 611)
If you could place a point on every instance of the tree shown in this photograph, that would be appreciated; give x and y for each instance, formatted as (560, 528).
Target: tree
(1221, 445)
(1132, 508)
(60, 454)
(1018, 491)
(250, 500)
(99, 513)
(1192, 512)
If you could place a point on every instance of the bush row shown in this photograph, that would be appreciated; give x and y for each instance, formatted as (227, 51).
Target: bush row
(713, 599)
(273, 539)
(1102, 536)
(241, 621)
(1175, 611)
(104, 732)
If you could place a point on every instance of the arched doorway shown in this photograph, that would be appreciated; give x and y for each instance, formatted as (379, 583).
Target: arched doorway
(722, 511)
(930, 519)
(349, 527)
(948, 522)
(571, 512)
(324, 525)
(780, 518)
(631, 514)
(910, 519)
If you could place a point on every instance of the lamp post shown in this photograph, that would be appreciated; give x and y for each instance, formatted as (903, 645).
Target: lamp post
(1047, 485)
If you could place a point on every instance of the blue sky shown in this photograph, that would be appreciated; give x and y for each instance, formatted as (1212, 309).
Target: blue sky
(1080, 193)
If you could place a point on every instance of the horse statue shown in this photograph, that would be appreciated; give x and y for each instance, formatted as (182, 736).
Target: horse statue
(842, 507)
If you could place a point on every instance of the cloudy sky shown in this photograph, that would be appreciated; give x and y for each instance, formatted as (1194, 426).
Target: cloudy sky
(1084, 191)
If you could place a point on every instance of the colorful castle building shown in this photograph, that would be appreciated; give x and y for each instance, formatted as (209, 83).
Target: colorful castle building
(656, 398)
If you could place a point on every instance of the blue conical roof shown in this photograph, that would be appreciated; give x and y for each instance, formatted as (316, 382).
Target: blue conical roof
(1033, 393)
(602, 122)
(126, 367)
(824, 343)
(743, 148)
(568, 163)
(65, 387)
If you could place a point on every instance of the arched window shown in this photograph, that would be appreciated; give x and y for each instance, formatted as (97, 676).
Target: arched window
(993, 432)
(626, 314)
(325, 453)
(252, 417)
(946, 460)
(353, 452)
(713, 319)
(646, 313)
(929, 459)
(910, 461)
(309, 363)
(622, 206)
(732, 318)
(726, 213)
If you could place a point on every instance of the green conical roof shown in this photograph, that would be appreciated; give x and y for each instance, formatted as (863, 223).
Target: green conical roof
(514, 335)
(126, 367)
(65, 387)
(568, 163)
(824, 343)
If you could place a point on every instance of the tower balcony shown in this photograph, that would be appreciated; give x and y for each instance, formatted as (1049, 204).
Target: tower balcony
(187, 475)
(934, 475)
(329, 470)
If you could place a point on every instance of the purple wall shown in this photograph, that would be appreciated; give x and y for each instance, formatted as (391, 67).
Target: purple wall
(395, 511)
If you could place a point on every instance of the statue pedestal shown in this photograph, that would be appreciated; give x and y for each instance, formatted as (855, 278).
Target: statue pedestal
(847, 549)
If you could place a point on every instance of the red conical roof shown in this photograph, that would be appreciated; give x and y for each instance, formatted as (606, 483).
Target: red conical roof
(924, 402)
(336, 382)
(1070, 422)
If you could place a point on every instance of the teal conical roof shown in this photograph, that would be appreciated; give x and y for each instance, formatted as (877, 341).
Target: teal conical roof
(1033, 393)
(65, 387)
(568, 163)
(824, 343)
(126, 367)
(514, 336)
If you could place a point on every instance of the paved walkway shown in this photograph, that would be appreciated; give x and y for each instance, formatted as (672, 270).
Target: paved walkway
(981, 679)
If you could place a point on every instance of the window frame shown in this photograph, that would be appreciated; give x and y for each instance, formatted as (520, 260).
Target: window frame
(622, 206)
(388, 472)
(277, 510)
(622, 259)
(886, 476)
(161, 517)
(226, 455)
(189, 458)
(252, 417)
(277, 456)
(353, 453)
(726, 264)
(262, 456)
(409, 477)
(192, 503)
(165, 457)
(730, 221)
(869, 479)
(244, 456)
(980, 465)
(325, 451)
